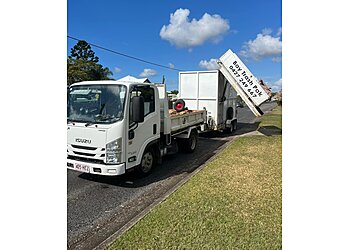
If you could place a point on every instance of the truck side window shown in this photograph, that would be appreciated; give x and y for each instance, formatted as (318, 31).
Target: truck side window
(148, 95)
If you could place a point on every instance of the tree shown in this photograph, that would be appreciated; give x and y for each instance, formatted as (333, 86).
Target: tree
(82, 65)
(174, 92)
(82, 50)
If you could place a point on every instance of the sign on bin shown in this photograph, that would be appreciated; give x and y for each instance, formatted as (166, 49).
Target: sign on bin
(245, 79)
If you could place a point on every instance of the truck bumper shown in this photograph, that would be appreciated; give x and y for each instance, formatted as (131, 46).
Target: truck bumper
(101, 169)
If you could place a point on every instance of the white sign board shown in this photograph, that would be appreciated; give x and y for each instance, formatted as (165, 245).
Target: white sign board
(245, 79)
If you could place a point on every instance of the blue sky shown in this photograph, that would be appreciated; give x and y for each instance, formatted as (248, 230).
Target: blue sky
(252, 29)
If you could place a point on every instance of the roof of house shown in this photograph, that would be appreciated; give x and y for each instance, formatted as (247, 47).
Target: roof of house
(129, 78)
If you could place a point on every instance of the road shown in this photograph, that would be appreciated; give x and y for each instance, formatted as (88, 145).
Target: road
(98, 205)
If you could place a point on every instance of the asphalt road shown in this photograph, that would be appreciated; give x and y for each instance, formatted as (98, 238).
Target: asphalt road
(98, 206)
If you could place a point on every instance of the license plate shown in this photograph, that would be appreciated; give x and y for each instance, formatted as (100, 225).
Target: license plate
(82, 168)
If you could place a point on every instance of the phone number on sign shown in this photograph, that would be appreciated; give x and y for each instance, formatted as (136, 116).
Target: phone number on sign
(244, 80)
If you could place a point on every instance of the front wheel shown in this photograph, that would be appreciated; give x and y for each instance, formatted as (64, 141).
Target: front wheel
(147, 162)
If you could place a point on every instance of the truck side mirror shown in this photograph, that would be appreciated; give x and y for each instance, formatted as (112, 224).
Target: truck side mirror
(138, 109)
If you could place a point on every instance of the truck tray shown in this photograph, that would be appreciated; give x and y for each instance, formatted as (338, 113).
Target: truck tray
(174, 113)
(187, 118)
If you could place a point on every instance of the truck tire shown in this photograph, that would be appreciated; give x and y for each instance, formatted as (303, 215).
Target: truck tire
(179, 105)
(232, 128)
(229, 113)
(147, 162)
(189, 145)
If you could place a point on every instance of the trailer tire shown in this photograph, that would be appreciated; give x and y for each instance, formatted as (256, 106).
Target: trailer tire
(189, 145)
(147, 162)
(232, 128)
(179, 105)
(229, 113)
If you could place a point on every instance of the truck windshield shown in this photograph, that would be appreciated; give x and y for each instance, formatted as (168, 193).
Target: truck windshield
(96, 103)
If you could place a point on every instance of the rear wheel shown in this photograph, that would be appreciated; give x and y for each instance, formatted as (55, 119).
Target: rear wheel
(147, 162)
(232, 128)
(189, 145)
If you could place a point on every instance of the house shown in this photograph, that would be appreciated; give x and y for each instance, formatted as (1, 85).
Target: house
(129, 78)
(266, 88)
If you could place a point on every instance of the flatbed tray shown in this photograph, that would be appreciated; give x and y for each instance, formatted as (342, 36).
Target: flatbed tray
(174, 113)
(185, 119)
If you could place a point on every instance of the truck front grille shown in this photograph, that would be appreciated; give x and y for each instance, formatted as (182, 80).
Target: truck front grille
(86, 153)
(83, 147)
(83, 159)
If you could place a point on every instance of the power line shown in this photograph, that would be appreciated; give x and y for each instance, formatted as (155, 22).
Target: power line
(125, 55)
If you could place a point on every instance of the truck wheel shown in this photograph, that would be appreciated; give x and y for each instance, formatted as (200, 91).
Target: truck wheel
(232, 128)
(147, 162)
(229, 113)
(189, 145)
(179, 105)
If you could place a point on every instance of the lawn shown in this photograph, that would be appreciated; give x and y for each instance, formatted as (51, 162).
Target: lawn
(273, 119)
(235, 202)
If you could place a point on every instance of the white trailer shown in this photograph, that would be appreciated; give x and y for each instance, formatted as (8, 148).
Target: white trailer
(211, 91)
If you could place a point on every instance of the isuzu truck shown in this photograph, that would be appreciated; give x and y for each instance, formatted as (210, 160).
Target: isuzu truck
(116, 126)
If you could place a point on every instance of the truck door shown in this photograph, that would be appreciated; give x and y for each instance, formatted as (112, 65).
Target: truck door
(141, 134)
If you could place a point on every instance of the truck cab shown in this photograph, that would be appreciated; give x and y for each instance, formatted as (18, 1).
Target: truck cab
(110, 124)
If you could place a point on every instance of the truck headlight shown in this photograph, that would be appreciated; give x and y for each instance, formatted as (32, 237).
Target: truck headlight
(114, 151)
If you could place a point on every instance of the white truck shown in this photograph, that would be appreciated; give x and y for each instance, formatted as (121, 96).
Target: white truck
(115, 126)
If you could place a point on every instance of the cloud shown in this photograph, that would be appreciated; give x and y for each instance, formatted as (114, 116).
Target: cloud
(266, 31)
(117, 70)
(279, 32)
(277, 59)
(276, 86)
(187, 34)
(263, 46)
(148, 72)
(209, 65)
(171, 65)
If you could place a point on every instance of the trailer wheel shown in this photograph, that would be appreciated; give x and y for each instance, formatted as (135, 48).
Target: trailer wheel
(229, 113)
(147, 162)
(232, 128)
(179, 105)
(189, 145)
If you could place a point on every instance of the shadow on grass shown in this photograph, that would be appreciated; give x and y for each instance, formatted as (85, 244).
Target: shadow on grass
(270, 130)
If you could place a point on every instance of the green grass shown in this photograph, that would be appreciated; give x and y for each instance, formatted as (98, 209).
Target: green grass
(235, 202)
(273, 119)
